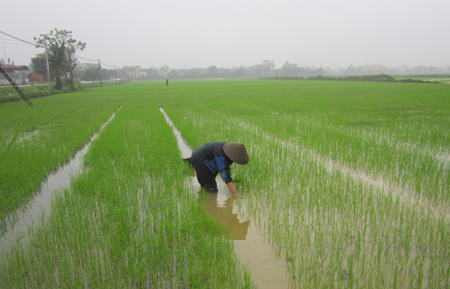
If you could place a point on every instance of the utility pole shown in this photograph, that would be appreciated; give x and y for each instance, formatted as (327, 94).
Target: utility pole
(115, 76)
(14, 72)
(95, 77)
(69, 49)
(100, 72)
(48, 67)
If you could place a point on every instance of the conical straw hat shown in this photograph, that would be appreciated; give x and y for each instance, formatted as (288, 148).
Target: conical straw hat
(236, 152)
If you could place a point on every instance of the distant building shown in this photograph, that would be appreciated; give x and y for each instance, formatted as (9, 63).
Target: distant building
(19, 73)
(288, 65)
(266, 65)
(135, 71)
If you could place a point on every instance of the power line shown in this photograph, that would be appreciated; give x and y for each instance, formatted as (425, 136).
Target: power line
(1, 38)
(85, 58)
(6, 43)
(78, 56)
(34, 44)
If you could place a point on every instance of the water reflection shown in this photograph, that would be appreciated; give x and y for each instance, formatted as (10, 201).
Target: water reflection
(267, 269)
(39, 207)
(220, 207)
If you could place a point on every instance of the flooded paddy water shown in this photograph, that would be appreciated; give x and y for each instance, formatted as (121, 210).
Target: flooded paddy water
(325, 203)
(334, 224)
(19, 224)
(405, 193)
(268, 270)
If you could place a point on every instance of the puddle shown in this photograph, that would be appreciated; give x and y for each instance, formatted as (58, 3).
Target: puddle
(17, 230)
(267, 271)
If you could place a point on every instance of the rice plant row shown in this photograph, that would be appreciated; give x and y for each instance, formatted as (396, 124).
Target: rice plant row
(332, 229)
(318, 153)
(412, 169)
(128, 221)
(37, 140)
(428, 187)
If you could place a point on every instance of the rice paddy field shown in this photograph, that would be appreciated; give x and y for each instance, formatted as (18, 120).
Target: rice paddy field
(347, 186)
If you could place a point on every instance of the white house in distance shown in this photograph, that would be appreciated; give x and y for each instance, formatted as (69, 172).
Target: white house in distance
(266, 65)
(135, 71)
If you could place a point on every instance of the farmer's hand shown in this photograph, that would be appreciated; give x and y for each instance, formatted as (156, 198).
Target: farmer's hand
(232, 189)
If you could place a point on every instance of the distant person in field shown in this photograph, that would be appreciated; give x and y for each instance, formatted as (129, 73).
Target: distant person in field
(167, 81)
(217, 157)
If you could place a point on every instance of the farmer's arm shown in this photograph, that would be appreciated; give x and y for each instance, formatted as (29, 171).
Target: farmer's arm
(232, 189)
(226, 174)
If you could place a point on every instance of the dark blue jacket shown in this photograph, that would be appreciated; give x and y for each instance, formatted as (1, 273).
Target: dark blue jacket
(213, 156)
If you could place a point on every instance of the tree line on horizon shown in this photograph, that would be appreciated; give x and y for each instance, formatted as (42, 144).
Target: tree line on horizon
(38, 66)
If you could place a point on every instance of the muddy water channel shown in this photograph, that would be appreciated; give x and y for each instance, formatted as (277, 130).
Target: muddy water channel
(267, 270)
(39, 207)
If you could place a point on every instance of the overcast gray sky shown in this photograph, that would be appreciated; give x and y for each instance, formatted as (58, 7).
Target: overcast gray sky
(202, 33)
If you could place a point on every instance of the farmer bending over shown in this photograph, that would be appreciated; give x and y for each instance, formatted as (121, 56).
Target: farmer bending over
(216, 157)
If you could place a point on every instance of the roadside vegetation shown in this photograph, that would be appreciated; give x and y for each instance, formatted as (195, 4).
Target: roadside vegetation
(9, 93)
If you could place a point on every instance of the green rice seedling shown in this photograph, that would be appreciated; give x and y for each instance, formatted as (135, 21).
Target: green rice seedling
(128, 220)
(338, 213)
(386, 160)
(38, 139)
(347, 182)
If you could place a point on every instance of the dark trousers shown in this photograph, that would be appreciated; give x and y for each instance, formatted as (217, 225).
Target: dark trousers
(206, 178)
